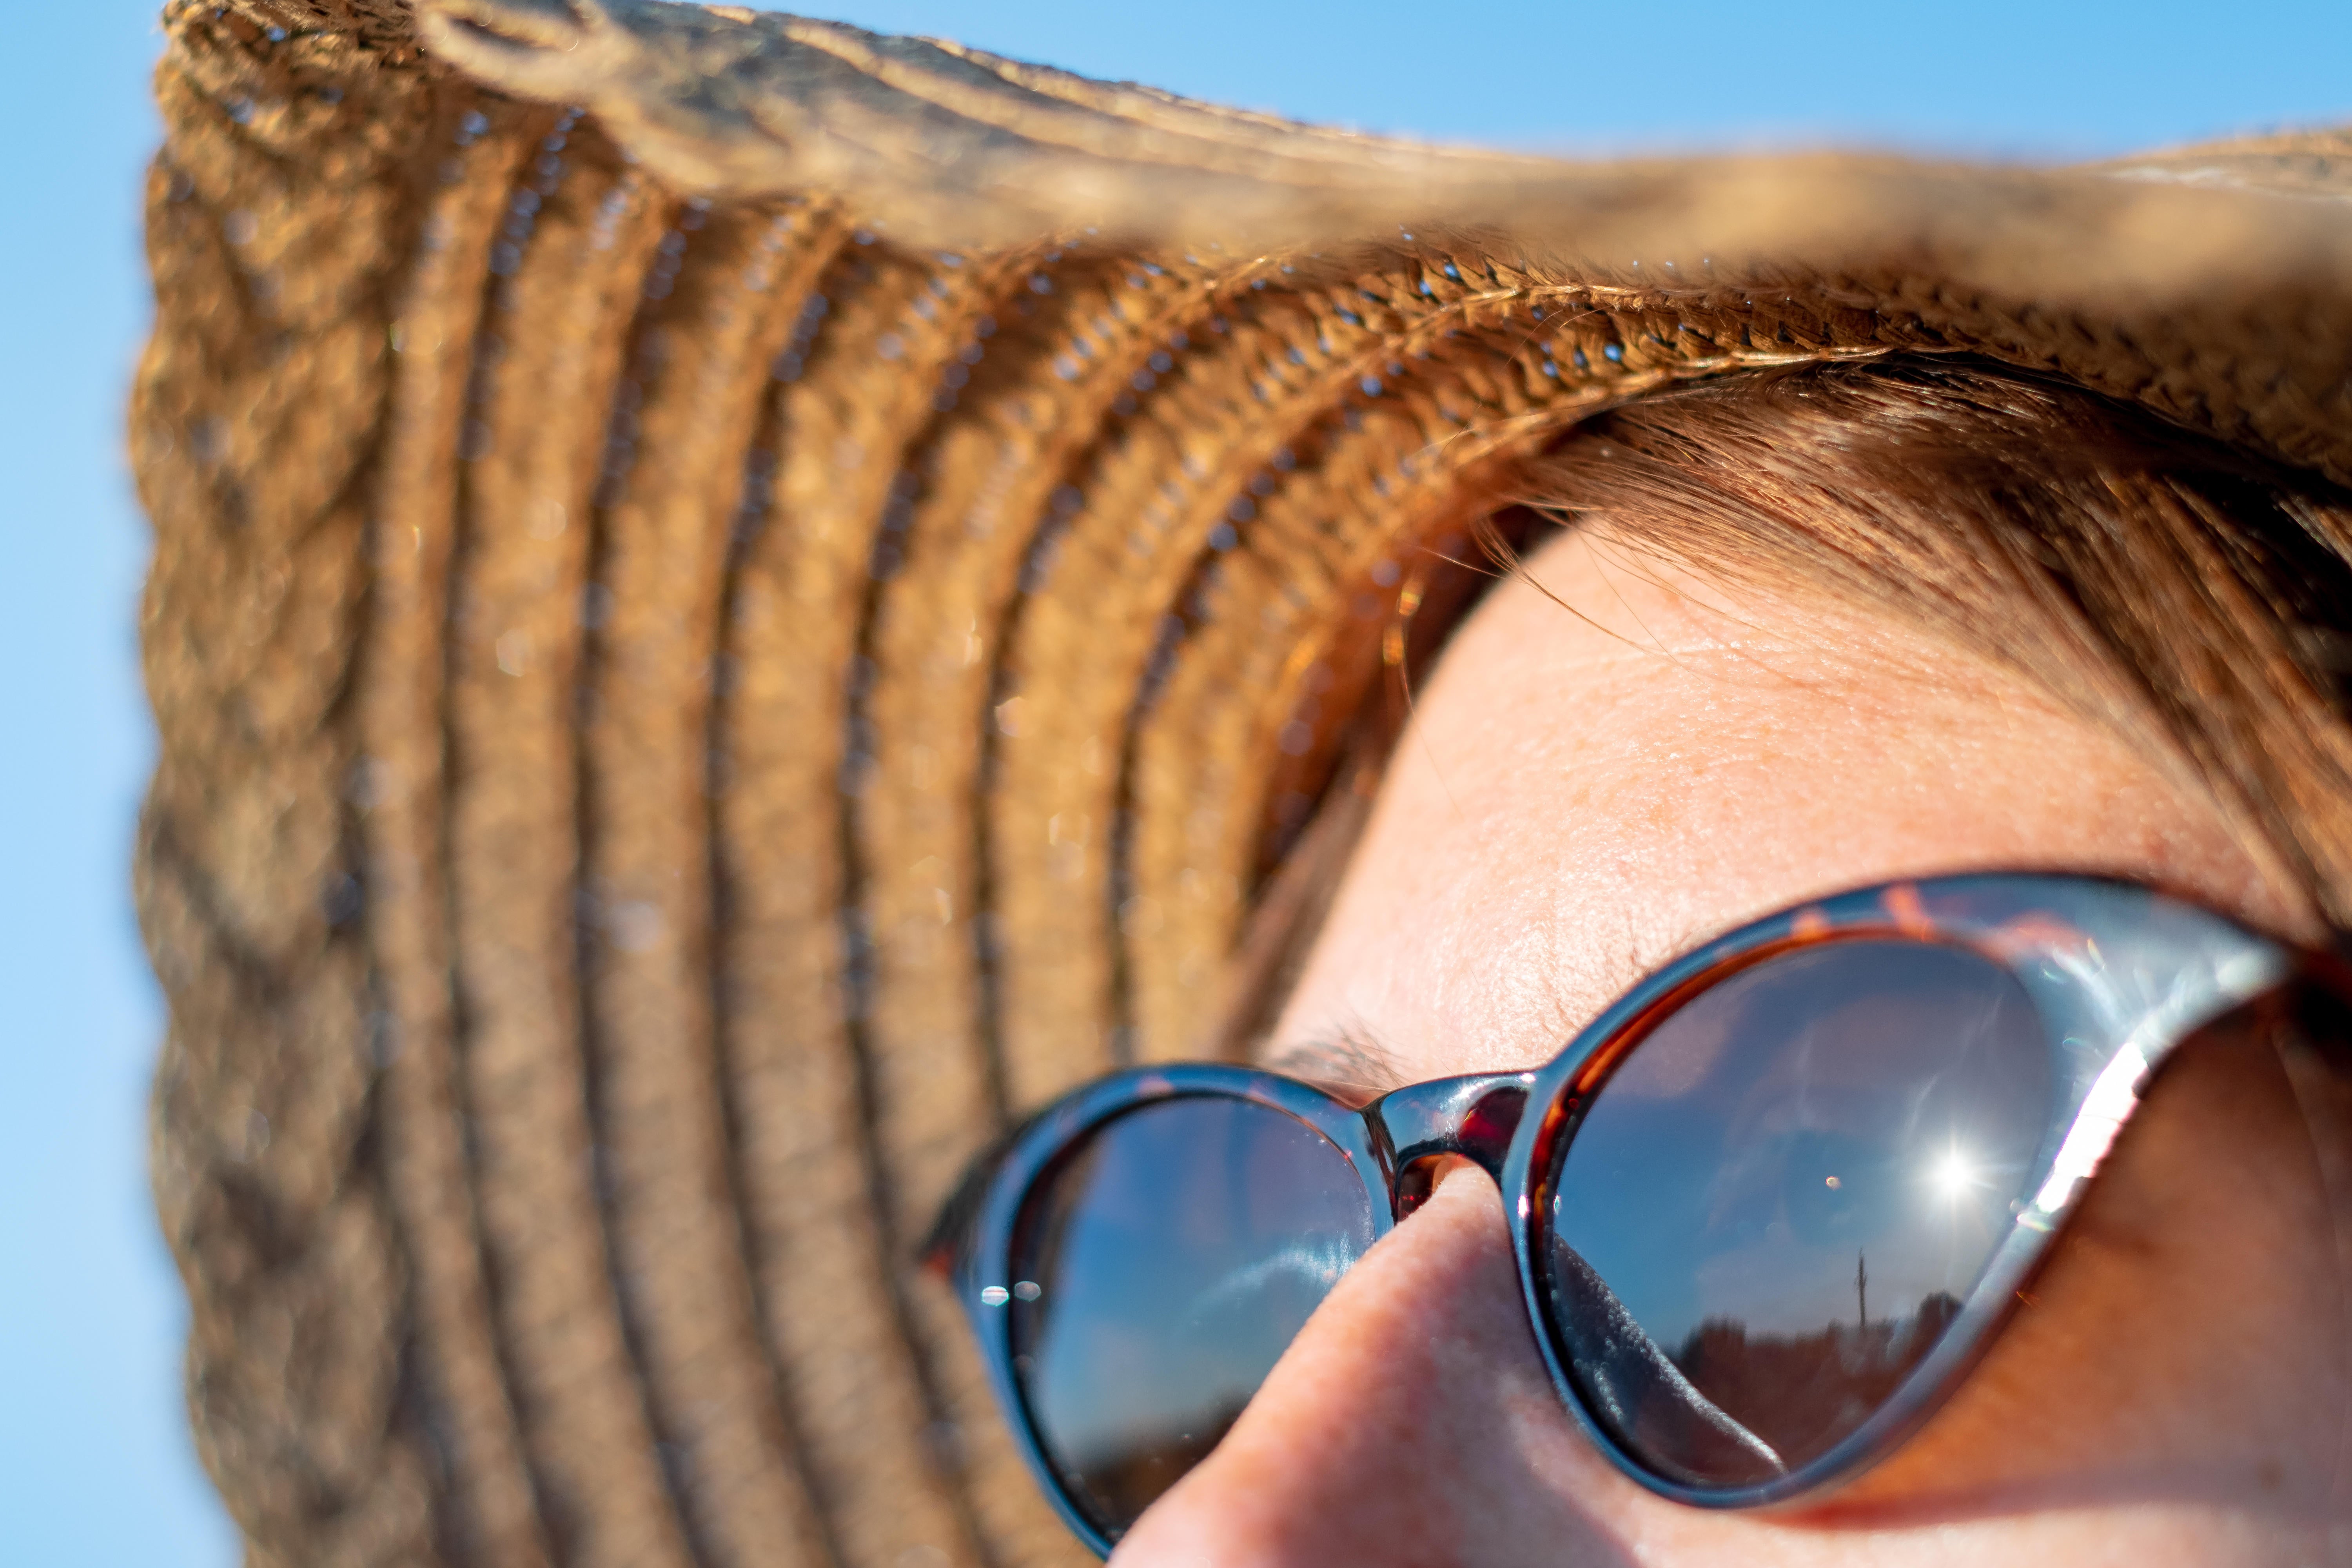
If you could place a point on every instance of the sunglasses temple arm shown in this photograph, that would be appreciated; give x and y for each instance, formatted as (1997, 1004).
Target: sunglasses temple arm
(941, 1251)
(943, 1247)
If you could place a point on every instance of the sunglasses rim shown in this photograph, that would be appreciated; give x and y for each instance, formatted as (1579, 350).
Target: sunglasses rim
(985, 1279)
(1896, 910)
(1886, 910)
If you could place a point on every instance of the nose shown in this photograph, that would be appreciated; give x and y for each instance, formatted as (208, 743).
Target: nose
(1412, 1421)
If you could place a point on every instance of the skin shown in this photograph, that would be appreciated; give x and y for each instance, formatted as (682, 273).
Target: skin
(1596, 778)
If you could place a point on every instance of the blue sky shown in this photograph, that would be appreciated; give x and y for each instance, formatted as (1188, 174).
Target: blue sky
(95, 1466)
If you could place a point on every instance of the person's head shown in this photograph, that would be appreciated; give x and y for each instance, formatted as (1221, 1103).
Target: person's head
(1797, 632)
(739, 610)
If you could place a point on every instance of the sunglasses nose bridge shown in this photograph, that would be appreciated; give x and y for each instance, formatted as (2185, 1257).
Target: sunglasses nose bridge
(1423, 1124)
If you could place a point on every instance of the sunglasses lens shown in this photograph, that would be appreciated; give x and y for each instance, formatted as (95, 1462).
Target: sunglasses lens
(1774, 1207)
(1160, 1271)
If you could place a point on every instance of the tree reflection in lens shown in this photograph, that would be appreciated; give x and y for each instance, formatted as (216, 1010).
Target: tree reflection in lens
(1162, 1270)
(1775, 1206)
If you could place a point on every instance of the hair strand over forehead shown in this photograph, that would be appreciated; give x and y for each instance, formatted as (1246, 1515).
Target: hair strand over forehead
(2193, 596)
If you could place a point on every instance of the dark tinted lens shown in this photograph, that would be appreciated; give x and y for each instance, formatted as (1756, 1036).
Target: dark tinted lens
(1772, 1210)
(1159, 1274)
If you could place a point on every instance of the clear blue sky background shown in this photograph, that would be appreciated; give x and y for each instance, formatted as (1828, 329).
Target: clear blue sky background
(95, 1465)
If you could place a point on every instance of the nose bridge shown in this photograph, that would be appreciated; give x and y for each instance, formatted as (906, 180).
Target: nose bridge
(1471, 1118)
(1413, 1420)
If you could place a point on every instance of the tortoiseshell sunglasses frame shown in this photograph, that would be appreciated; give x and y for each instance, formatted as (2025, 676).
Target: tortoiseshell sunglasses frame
(2119, 974)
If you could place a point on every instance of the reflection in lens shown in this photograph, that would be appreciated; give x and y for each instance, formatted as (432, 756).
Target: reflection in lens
(1775, 1206)
(1160, 1272)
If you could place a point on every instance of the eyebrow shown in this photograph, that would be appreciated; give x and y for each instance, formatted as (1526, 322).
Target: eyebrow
(1350, 1062)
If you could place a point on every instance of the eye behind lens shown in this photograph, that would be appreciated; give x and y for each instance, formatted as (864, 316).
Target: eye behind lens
(1774, 1208)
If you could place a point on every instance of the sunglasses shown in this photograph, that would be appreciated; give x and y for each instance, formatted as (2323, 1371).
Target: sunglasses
(1768, 1209)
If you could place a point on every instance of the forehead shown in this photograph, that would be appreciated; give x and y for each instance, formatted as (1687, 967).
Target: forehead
(1616, 758)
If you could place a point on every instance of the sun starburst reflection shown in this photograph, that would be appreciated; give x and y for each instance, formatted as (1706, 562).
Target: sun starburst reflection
(1954, 1175)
